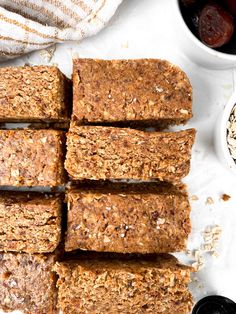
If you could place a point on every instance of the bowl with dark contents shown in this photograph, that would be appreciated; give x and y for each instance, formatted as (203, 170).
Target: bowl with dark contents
(207, 31)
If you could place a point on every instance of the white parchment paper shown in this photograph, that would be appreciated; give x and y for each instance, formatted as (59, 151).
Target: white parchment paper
(145, 29)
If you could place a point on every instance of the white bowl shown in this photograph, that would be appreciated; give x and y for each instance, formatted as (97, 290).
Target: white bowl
(195, 49)
(220, 140)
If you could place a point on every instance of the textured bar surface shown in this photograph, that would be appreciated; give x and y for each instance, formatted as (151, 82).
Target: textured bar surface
(31, 157)
(128, 220)
(30, 222)
(33, 94)
(130, 287)
(95, 152)
(143, 91)
(27, 283)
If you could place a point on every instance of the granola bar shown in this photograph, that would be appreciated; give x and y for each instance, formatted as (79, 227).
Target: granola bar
(130, 286)
(128, 219)
(95, 152)
(143, 91)
(34, 94)
(31, 157)
(30, 222)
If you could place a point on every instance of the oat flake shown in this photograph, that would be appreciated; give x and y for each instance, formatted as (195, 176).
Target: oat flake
(231, 133)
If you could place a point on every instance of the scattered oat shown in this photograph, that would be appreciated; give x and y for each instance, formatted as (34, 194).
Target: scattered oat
(200, 262)
(48, 53)
(125, 45)
(215, 254)
(211, 236)
(196, 282)
(195, 279)
(194, 198)
(225, 197)
(197, 254)
(189, 252)
(209, 201)
(206, 247)
(197, 266)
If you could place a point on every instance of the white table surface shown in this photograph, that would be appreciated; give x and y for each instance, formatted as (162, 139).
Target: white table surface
(145, 29)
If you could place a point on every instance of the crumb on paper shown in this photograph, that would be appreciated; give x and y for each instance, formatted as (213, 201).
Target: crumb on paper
(227, 86)
(209, 200)
(207, 247)
(188, 252)
(125, 45)
(198, 265)
(225, 197)
(195, 279)
(75, 54)
(95, 21)
(194, 198)
(198, 254)
(215, 254)
(197, 282)
(48, 53)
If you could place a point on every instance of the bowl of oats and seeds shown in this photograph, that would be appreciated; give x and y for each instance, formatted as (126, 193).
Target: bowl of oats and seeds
(225, 135)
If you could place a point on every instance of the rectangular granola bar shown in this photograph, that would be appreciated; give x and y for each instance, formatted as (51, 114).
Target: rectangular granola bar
(31, 157)
(30, 222)
(95, 152)
(128, 219)
(27, 283)
(143, 91)
(33, 94)
(132, 286)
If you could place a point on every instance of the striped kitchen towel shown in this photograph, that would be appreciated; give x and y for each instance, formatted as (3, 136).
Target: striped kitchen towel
(27, 25)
